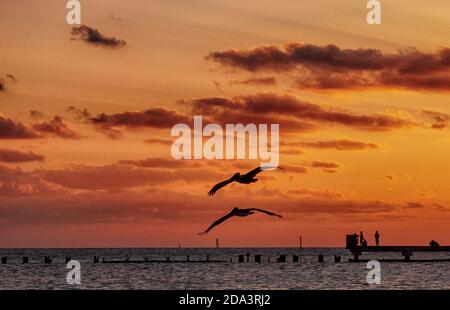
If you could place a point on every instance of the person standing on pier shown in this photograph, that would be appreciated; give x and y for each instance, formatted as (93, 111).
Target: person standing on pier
(361, 238)
(377, 238)
(355, 236)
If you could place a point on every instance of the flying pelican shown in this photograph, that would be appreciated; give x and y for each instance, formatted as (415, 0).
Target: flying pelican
(247, 178)
(237, 212)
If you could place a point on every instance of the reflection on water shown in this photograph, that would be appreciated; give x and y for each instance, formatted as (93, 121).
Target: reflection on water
(307, 274)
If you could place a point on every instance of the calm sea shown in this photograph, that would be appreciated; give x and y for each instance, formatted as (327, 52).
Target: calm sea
(308, 273)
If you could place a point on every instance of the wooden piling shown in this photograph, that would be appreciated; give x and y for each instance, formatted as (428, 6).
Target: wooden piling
(4, 260)
(320, 258)
(295, 258)
(240, 258)
(407, 255)
(281, 259)
(25, 260)
(47, 260)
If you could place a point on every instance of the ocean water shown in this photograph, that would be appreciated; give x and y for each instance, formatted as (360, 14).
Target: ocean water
(308, 273)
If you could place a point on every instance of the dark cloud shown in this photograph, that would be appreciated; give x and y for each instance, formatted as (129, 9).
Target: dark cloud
(157, 162)
(341, 145)
(58, 127)
(14, 156)
(94, 37)
(159, 118)
(325, 164)
(35, 202)
(10, 129)
(80, 114)
(415, 205)
(292, 114)
(18, 183)
(265, 81)
(293, 169)
(99, 207)
(159, 141)
(329, 170)
(440, 207)
(290, 111)
(290, 150)
(326, 194)
(89, 208)
(109, 177)
(155, 117)
(331, 67)
(340, 206)
(117, 177)
(441, 120)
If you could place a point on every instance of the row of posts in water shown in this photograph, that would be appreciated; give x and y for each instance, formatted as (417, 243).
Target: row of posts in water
(281, 259)
(240, 259)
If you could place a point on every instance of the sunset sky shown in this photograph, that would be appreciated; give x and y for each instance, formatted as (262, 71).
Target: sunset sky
(86, 116)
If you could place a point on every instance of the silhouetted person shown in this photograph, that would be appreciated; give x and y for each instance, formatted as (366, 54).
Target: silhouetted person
(361, 237)
(355, 235)
(434, 244)
(377, 238)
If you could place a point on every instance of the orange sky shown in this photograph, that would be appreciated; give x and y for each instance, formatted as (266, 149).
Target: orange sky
(376, 112)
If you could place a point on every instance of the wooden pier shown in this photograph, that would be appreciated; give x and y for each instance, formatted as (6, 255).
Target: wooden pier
(405, 250)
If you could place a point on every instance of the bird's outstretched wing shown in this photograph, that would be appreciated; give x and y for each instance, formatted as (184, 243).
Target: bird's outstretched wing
(253, 173)
(264, 211)
(219, 221)
(219, 186)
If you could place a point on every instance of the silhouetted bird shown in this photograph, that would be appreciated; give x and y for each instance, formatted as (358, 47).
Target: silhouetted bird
(240, 213)
(247, 178)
